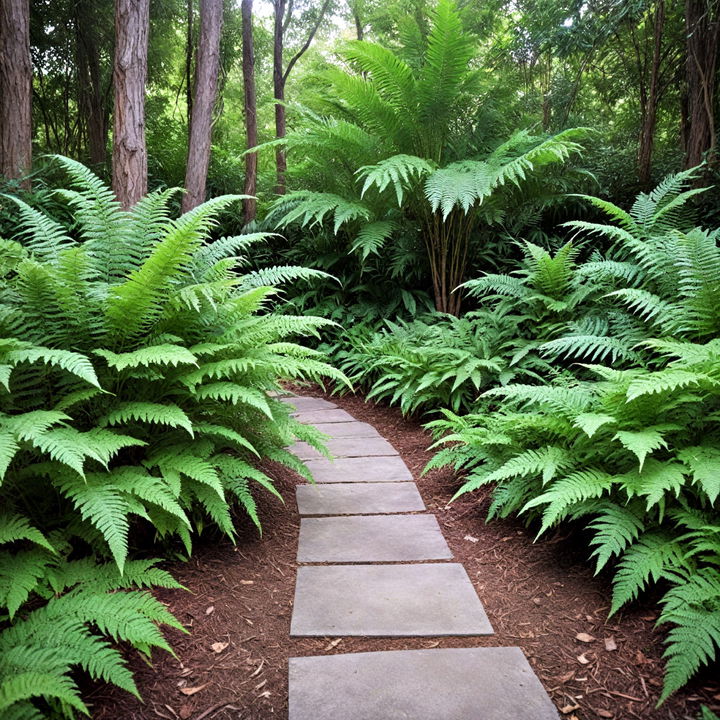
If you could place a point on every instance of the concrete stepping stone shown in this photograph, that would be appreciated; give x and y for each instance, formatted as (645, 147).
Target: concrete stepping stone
(313, 417)
(386, 600)
(358, 498)
(346, 447)
(373, 538)
(354, 429)
(360, 469)
(444, 684)
(302, 404)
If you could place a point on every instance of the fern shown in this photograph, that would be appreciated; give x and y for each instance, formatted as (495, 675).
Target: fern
(134, 376)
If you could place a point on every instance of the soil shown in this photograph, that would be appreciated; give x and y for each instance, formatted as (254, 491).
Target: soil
(539, 596)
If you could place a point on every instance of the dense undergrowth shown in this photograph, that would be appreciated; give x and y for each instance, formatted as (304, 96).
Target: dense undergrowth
(586, 390)
(135, 363)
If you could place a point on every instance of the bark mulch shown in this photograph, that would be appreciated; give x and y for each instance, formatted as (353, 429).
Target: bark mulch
(539, 596)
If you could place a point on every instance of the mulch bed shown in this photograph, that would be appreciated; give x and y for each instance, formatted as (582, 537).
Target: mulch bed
(538, 596)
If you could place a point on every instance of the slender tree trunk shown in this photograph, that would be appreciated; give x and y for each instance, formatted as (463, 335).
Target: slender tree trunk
(132, 21)
(90, 91)
(650, 106)
(188, 62)
(15, 90)
(207, 68)
(702, 25)
(279, 93)
(248, 69)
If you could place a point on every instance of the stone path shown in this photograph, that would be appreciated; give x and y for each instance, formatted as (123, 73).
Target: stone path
(365, 543)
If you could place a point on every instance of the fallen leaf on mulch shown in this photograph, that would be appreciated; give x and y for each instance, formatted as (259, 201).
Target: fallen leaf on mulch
(605, 714)
(568, 709)
(471, 539)
(582, 659)
(566, 677)
(333, 644)
(584, 637)
(185, 712)
(218, 647)
(210, 610)
(247, 582)
(610, 644)
(536, 601)
(193, 690)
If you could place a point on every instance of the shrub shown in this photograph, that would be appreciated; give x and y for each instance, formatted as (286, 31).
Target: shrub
(135, 364)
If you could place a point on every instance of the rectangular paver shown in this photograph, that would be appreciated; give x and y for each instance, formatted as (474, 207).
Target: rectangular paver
(355, 429)
(311, 417)
(387, 600)
(309, 404)
(371, 538)
(358, 498)
(346, 447)
(442, 684)
(360, 469)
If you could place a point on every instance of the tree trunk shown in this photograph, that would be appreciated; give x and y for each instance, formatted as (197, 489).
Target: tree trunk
(90, 92)
(702, 26)
(650, 106)
(279, 93)
(206, 80)
(132, 20)
(248, 69)
(188, 63)
(15, 90)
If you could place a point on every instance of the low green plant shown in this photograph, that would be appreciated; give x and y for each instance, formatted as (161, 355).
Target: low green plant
(646, 492)
(630, 452)
(135, 365)
(438, 360)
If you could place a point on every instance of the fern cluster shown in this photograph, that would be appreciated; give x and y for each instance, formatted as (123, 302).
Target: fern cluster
(630, 450)
(438, 360)
(135, 365)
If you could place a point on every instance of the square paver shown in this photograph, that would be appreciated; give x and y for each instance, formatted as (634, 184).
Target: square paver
(312, 417)
(443, 684)
(355, 429)
(371, 538)
(358, 498)
(346, 447)
(360, 469)
(302, 404)
(424, 600)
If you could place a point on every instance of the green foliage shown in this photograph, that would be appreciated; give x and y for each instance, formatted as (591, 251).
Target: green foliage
(437, 360)
(135, 365)
(402, 145)
(629, 454)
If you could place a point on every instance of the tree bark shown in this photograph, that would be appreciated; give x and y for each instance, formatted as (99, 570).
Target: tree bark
(650, 104)
(207, 69)
(702, 26)
(132, 20)
(279, 93)
(188, 62)
(91, 99)
(15, 90)
(248, 69)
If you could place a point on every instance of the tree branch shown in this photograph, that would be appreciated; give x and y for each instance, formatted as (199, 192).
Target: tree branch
(309, 40)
